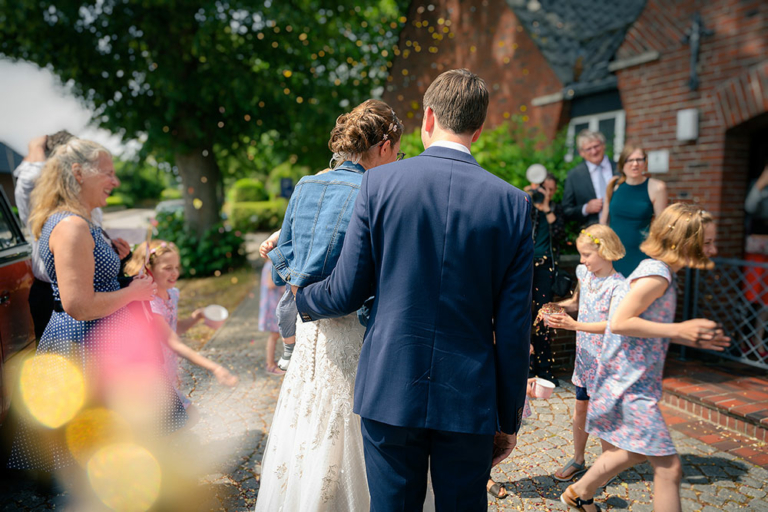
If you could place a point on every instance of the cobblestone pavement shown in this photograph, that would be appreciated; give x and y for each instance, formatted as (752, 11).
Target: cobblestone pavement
(234, 423)
(713, 480)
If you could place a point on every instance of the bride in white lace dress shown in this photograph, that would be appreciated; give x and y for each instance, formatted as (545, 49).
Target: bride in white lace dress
(314, 456)
(313, 460)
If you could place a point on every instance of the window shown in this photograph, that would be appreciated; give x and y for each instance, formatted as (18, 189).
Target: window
(9, 233)
(7, 236)
(611, 124)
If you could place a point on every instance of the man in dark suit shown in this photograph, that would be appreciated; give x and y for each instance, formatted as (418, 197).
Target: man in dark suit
(446, 248)
(586, 183)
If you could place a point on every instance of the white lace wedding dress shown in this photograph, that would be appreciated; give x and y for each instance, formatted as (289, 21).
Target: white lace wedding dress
(313, 460)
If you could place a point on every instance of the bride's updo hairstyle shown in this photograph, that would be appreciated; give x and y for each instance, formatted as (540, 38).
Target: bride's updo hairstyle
(370, 123)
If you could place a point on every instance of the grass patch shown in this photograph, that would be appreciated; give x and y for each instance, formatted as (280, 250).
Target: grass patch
(227, 290)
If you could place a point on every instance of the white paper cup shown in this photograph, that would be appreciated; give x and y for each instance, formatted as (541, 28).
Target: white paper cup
(215, 315)
(546, 316)
(543, 388)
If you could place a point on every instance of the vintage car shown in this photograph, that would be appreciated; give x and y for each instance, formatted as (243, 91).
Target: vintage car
(17, 333)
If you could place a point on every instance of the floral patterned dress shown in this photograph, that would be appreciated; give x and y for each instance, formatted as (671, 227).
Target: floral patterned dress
(624, 408)
(268, 300)
(595, 294)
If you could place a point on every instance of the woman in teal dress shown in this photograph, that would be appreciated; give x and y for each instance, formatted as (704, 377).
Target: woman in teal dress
(632, 200)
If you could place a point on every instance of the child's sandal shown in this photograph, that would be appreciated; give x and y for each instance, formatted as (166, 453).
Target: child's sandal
(570, 498)
(577, 470)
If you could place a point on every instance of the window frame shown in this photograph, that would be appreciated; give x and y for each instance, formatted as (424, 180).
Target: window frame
(593, 120)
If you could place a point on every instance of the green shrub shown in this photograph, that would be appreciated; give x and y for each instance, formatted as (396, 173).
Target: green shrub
(285, 170)
(219, 249)
(258, 215)
(140, 182)
(116, 200)
(170, 193)
(247, 190)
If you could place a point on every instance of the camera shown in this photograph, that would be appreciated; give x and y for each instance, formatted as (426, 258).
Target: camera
(536, 174)
(536, 196)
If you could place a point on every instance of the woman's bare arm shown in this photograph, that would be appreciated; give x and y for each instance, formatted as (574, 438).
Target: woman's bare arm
(72, 246)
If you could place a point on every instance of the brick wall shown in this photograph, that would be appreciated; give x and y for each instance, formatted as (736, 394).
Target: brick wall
(485, 37)
(733, 73)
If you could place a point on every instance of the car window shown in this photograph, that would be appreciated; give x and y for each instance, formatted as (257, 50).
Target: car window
(8, 237)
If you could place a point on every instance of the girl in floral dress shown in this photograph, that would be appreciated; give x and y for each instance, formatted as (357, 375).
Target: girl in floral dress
(269, 296)
(624, 409)
(599, 247)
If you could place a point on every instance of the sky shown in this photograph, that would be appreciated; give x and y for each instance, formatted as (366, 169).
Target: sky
(32, 104)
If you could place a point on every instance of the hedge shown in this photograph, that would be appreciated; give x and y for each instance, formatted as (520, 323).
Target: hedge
(249, 216)
(247, 190)
(170, 193)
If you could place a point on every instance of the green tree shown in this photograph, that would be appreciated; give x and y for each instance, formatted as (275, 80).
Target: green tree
(202, 81)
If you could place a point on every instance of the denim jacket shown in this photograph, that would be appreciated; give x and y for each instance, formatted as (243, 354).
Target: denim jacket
(315, 225)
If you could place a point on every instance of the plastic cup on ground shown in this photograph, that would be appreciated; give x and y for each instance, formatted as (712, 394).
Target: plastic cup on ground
(215, 315)
(542, 388)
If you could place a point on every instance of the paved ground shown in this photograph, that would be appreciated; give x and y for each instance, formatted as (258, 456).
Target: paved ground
(234, 423)
(130, 224)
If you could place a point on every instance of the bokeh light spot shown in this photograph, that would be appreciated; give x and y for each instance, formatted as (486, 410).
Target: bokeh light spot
(125, 477)
(94, 429)
(52, 389)
(197, 203)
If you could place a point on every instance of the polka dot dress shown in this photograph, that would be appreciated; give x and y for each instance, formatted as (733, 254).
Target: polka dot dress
(86, 344)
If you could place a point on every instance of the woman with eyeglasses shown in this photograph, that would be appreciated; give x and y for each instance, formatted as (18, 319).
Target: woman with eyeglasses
(631, 201)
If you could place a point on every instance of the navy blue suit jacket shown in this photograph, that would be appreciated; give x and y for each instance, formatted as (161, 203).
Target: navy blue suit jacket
(446, 248)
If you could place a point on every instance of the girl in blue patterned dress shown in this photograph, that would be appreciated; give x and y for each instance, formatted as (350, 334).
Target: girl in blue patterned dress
(91, 323)
(164, 267)
(624, 409)
(599, 247)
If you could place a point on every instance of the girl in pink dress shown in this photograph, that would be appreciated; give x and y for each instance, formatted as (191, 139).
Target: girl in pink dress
(164, 266)
(599, 247)
(624, 409)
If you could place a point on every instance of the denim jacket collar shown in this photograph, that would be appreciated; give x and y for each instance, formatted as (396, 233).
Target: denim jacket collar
(350, 166)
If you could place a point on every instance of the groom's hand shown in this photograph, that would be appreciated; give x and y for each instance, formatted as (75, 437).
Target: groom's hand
(503, 444)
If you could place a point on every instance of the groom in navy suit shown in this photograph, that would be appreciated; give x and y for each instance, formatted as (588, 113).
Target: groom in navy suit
(446, 249)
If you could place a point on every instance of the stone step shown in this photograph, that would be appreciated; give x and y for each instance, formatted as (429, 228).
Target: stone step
(729, 395)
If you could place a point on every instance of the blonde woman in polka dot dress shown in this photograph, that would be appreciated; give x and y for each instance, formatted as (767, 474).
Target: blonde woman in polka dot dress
(90, 324)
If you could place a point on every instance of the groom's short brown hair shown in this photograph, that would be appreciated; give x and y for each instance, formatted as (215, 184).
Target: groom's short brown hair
(459, 99)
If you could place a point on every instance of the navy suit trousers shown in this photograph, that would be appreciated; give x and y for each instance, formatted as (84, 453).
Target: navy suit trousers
(396, 461)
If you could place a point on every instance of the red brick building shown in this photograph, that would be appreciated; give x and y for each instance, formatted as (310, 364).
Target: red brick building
(621, 67)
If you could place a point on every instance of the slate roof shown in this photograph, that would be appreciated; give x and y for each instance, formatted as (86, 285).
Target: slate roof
(578, 37)
(9, 159)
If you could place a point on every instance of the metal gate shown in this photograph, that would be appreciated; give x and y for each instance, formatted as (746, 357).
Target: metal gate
(735, 294)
